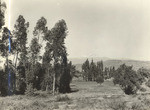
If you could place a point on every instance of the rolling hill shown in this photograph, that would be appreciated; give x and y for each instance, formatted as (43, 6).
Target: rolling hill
(112, 62)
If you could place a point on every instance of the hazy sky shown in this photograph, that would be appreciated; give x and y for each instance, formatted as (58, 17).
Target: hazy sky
(97, 28)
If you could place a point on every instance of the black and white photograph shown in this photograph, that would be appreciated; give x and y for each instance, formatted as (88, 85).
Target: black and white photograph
(74, 54)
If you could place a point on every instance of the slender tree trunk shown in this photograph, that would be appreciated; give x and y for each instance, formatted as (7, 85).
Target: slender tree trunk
(54, 84)
(16, 60)
(7, 60)
(54, 78)
(47, 85)
(38, 38)
(16, 70)
(7, 71)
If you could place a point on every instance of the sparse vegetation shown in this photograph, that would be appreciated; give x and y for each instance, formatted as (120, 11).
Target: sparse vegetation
(41, 78)
(118, 104)
(62, 98)
(148, 83)
(89, 96)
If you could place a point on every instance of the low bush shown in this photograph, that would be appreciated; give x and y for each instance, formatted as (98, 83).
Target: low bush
(118, 104)
(30, 90)
(62, 98)
(100, 80)
(127, 78)
(142, 89)
(148, 83)
(137, 106)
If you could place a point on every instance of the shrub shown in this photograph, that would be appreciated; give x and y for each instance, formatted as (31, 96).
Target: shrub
(38, 104)
(143, 74)
(47, 82)
(21, 86)
(127, 78)
(142, 89)
(30, 90)
(55, 106)
(137, 106)
(34, 76)
(146, 101)
(62, 98)
(100, 80)
(148, 83)
(117, 104)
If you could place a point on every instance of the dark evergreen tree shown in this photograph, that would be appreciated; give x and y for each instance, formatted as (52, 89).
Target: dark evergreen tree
(65, 77)
(86, 70)
(99, 76)
(93, 72)
(73, 70)
(106, 73)
(59, 33)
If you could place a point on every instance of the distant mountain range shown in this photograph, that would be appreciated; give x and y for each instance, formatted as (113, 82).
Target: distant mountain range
(108, 62)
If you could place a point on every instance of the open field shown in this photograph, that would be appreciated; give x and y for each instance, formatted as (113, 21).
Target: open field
(86, 96)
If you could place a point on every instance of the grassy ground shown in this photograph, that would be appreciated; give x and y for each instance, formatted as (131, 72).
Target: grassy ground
(90, 96)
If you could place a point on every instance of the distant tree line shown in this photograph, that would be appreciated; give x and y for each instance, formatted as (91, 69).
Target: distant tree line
(92, 71)
(29, 70)
(129, 80)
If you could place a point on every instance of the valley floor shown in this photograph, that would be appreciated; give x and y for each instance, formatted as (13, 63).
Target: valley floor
(86, 96)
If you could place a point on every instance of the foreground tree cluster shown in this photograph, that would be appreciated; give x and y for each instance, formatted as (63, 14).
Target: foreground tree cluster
(30, 70)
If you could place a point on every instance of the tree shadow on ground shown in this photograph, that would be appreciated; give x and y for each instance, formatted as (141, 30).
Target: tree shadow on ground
(74, 89)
